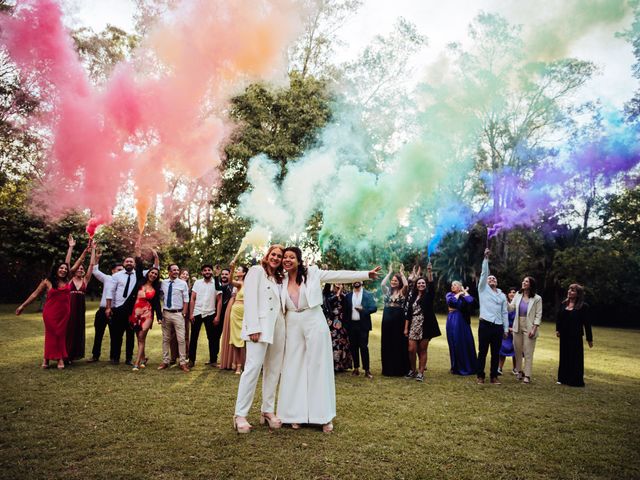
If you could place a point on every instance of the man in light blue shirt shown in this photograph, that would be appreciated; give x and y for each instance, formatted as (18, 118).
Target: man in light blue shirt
(494, 321)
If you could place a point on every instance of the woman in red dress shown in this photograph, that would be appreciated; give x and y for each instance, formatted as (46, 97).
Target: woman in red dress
(143, 304)
(56, 309)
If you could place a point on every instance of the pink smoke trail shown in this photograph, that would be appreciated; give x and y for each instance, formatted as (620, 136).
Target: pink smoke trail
(141, 124)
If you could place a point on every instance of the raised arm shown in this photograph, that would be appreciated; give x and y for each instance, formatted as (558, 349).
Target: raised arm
(347, 276)
(72, 243)
(405, 282)
(429, 273)
(80, 258)
(251, 287)
(36, 293)
(485, 271)
(156, 259)
(92, 262)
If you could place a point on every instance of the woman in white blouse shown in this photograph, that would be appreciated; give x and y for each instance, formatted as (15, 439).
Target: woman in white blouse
(307, 387)
(264, 332)
(528, 307)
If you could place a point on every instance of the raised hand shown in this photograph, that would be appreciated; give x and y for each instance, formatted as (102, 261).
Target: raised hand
(373, 274)
(487, 252)
(390, 268)
(71, 241)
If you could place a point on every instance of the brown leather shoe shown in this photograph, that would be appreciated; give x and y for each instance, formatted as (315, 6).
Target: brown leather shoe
(480, 380)
(184, 368)
(495, 381)
(163, 366)
(367, 374)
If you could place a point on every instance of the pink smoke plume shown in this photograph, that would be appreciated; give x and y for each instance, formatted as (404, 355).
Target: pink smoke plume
(140, 124)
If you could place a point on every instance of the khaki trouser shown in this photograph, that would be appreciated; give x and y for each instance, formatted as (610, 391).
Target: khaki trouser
(523, 344)
(173, 320)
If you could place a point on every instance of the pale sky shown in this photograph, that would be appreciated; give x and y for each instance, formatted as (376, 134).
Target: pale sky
(442, 22)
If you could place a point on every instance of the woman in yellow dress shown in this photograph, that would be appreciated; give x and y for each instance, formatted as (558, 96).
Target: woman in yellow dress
(235, 320)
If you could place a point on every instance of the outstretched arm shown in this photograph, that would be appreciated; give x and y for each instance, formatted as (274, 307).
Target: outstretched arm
(92, 262)
(485, 271)
(36, 293)
(80, 259)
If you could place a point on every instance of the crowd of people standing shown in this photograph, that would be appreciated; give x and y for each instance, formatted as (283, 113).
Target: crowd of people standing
(251, 314)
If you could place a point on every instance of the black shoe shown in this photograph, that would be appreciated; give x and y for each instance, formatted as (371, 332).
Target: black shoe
(128, 362)
(115, 362)
(191, 364)
(93, 360)
(411, 374)
(173, 362)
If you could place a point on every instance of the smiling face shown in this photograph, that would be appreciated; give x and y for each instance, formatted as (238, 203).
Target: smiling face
(394, 282)
(492, 281)
(240, 273)
(572, 293)
(129, 264)
(80, 272)
(421, 285)
(224, 276)
(526, 283)
(511, 294)
(62, 271)
(274, 258)
(290, 261)
(207, 273)
(184, 275)
(456, 286)
(153, 275)
(174, 271)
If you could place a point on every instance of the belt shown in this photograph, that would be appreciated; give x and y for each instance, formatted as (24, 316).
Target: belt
(487, 321)
(172, 311)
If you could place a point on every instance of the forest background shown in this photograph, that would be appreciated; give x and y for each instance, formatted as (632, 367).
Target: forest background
(591, 237)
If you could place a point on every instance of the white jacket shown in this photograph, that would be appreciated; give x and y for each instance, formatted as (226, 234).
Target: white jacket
(261, 305)
(315, 279)
(534, 312)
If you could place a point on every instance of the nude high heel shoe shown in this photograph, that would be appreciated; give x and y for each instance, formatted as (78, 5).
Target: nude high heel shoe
(244, 427)
(273, 421)
(327, 428)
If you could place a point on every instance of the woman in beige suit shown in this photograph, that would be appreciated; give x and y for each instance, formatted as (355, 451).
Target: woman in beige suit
(528, 307)
(264, 332)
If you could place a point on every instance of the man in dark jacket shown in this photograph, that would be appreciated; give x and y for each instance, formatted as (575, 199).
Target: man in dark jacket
(357, 309)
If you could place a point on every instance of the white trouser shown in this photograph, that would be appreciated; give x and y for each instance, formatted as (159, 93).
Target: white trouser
(268, 358)
(522, 344)
(307, 387)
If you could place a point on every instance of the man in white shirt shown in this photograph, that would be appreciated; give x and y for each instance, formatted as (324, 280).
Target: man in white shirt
(175, 293)
(202, 310)
(101, 321)
(122, 286)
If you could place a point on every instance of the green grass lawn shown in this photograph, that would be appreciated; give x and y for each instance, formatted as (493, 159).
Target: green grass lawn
(104, 421)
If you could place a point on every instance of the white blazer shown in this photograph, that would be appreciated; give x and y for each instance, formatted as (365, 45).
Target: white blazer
(261, 305)
(534, 312)
(315, 279)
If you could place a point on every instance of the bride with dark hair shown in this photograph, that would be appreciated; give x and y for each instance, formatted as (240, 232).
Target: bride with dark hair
(307, 385)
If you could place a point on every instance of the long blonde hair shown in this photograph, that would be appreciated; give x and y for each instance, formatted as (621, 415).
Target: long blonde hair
(279, 273)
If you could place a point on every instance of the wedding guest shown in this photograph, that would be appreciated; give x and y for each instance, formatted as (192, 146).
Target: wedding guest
(421, 324)
(462, 349)
(121, 288)
(527, 305)
(494, 321)
(142, 305)
(56, 309)
(307, 387)
(175, 293)
(506, 350)
(236, 315)
(333, 297)
(394, 350)
(225, 301)
(264, 331)
(572, 322)
(77, 308)
(184, 275)
(101, 321)
(202, 311)
(358, 307)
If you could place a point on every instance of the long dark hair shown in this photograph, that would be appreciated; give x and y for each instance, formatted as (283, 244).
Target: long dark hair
(415, 292)
(532, 287)
(579, 296)
(53, 274)
(302, 270)
(156, 283)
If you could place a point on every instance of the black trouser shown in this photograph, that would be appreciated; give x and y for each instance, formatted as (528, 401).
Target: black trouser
(359, 341)
(213, 337)
(118, 326)
(489, 335)
(100, 324)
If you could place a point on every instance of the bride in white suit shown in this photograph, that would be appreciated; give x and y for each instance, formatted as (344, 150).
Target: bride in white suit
(263, 330)
(307, 386)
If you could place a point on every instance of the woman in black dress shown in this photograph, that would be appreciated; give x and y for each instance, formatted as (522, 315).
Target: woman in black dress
(394, 349)
(421, 324)
(571, 324)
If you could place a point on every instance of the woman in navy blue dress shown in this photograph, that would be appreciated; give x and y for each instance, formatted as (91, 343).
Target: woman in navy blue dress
(507, 350)
(462, 348)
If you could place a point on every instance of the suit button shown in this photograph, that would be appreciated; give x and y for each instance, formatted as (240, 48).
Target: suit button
(268, 288)
(269, 298)
(271, 308)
